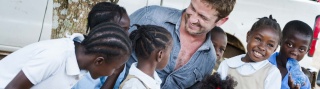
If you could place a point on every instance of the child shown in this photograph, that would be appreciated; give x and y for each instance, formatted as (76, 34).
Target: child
(219, 41)
(105, 12)
(295, 43)
(214, 81)
(60, 63)
(152, 45)
(108, 12)
(252, 70)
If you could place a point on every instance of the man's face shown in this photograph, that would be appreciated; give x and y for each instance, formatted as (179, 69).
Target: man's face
(200, 17)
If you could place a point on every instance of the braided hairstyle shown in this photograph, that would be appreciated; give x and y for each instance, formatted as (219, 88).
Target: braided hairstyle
(214, 81)
(266, 22)
(109, 40)
(104, 12)
(148, 38)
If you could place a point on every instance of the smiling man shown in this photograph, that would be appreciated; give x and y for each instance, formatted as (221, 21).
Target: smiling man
(192, 57)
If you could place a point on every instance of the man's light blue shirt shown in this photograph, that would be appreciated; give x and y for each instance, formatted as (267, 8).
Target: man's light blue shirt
(200, 64)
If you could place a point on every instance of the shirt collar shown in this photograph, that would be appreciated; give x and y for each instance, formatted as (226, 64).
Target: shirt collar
(236, 62)
(273, 59)
(72, 67)
(146, 79)
(176, 17)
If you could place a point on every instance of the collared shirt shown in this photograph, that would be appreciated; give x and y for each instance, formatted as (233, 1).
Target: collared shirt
(273, 80)
(50, 64)
(284, 84)
(88, 83)
(200, 64)
(134, 83)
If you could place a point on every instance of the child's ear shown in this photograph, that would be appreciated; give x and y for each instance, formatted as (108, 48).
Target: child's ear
(222, 21)
(248, 34)
(159, 56)
(98, 61)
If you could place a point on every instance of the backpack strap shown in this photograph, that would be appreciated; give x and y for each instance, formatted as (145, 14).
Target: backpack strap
(130, 77)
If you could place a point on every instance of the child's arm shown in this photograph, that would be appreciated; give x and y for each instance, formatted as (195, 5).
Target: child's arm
(20, 82)
(111, 81)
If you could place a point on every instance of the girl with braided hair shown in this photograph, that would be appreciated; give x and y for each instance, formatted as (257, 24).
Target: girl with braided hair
(60, 63)
(100, 13)
(152, 45)
(253, 70)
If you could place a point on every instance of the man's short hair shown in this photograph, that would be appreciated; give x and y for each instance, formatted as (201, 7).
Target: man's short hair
(224, 7)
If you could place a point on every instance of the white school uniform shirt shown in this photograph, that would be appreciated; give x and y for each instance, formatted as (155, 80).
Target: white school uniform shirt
(273, 80)
(50, 64)
(134, 83)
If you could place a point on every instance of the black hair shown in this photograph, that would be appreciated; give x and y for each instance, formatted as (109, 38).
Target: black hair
(214, 81)
(297, 26)
(104, 12)
(217, 29)
(266, 22)
(147, 38)
(109, 40)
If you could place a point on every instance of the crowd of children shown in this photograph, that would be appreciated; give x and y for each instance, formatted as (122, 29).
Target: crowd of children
(61, 63)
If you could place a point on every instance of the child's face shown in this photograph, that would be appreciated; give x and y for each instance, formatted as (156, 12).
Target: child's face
(107, 66)
(219, 41)
(124, 22)
(261, 44)
(295, 45)
(166, 54)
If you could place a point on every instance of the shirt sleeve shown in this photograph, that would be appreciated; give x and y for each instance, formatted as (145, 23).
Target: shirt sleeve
(42, 65)
(136, 17)
(273, 80)
(133, 83)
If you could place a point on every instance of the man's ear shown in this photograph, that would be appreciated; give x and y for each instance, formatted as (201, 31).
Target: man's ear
(222, 21)
(159, 56)
(99, 61)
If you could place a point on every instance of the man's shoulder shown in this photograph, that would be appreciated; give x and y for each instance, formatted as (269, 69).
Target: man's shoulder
(161, 9)
(157, 12)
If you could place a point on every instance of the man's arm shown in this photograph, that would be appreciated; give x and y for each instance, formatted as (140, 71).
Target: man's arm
(20, 82)
(111, 81)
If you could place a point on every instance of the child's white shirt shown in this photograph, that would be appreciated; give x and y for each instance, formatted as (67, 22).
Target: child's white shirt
(50, 64)
(272, 81)
(134, 83)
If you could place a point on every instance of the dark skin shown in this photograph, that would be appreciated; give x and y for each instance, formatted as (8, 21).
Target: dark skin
(294, 45)
(124, 22)
(150, 64)
(261, 44)
(20, 81)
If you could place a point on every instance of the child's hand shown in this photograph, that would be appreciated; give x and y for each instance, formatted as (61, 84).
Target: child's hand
(292, 85)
